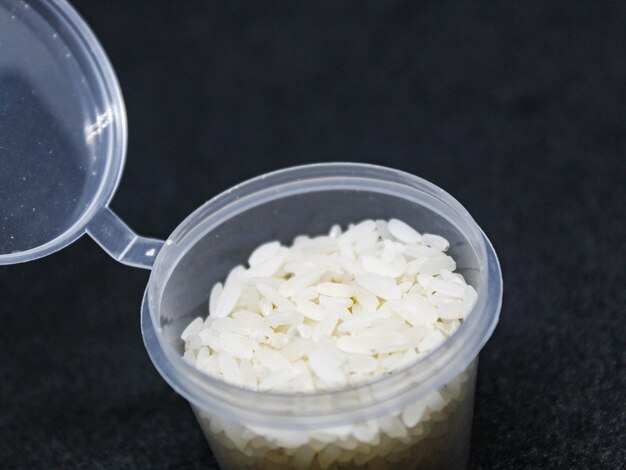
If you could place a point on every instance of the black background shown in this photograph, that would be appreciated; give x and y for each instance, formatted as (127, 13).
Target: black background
(515, 108)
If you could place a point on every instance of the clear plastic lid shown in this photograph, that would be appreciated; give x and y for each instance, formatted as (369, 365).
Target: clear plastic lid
(62, 129)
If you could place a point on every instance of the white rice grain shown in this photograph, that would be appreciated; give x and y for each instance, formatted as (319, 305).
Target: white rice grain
(469, 299)
(273, 360)
(227, 300)
(280, 301)
(436, 242)
(433, 340)
(250, 318)
(366, 242)
(298, 283)
(326, 326)
(263, 253)
(335, 231)
(359, 230)
(334, 289)
(361, 321)
(269, 267)
(383, 287)
(434, 266)
(192, 329)
(414, 309)
(297, 348)
(311, 310)
(214, 297)
(451, 310)
(404, 232)
(248, 374)
(447, 288)
(289, 317)
(210, 338)
(229, 369)
(421, 251)
(375, 265)
(383, 230)
(278, 378)
(230, 325)
(361, 364)
(325, 369)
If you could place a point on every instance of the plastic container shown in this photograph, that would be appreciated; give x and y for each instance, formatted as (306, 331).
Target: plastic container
(432, 398)
(62, 153)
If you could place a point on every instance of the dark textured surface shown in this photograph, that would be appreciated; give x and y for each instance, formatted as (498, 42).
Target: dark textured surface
(515, 108)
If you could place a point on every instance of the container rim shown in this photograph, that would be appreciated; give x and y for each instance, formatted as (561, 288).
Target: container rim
(369, 400)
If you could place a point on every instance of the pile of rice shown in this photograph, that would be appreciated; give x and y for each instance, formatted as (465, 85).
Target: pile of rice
(330, 311)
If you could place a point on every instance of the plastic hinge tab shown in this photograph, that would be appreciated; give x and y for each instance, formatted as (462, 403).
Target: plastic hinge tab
(119, 241)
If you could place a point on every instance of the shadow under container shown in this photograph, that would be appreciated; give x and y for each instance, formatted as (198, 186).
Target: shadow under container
(416, 417)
